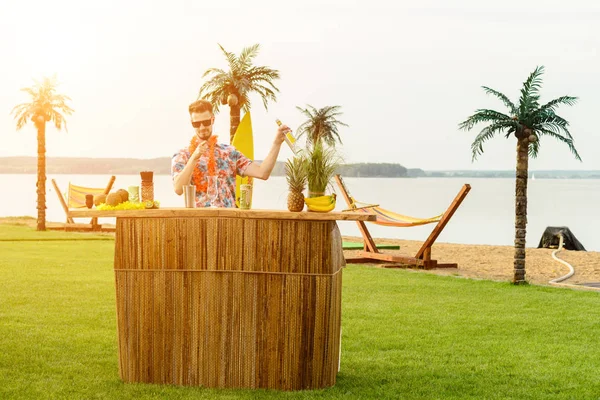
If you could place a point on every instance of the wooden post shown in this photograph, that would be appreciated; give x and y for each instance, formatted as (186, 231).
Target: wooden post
(94, 221)
(443, 221)
(369, 243)
(62, 202)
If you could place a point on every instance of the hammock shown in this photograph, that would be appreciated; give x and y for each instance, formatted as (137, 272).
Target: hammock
(76, 195)
(390, 218)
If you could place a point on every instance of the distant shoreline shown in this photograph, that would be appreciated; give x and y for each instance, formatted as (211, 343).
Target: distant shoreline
(449, 176)
(161, 166)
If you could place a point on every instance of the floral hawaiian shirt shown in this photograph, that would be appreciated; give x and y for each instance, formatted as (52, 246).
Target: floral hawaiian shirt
(229, 162)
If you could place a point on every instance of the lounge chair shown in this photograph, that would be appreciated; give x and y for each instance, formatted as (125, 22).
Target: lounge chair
(76, 199)
(385, 217)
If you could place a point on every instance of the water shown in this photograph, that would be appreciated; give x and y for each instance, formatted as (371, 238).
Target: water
(485, 217)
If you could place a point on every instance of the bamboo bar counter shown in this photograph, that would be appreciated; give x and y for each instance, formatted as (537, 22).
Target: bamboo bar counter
(228, 298)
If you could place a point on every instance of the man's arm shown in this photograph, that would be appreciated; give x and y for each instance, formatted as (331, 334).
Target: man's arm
(263, 170)
(185, 175)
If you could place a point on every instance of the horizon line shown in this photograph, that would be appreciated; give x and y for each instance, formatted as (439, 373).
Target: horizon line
(360, 162)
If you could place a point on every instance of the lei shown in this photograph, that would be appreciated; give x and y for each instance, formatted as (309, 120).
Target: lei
(201, 184)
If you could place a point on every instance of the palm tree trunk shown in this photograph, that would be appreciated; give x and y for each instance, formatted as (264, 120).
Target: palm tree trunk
(234, 121)
(41, 177)
(521, 209)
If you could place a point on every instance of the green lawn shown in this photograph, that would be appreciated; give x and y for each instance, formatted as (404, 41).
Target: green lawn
(21, 233)
(406, 334)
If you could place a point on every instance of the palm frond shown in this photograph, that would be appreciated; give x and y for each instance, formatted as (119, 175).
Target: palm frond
(262, 74)
(247, 105)
(509, 104)
(510, 131)
(209, 87)
(22, 119)
(20, 108)
(534, 148)
(248, 54)
(557, 129)
(563, 123)
(534, 82)
(213, 89)
(566, 100)
(530, 91)
(58, 119)
(559, 137)
(231, 58)
(23, 113)
(214, 97)
(483, 115)
(214, 71)
(486, 134)
(265, 93)
(30, 91)
(549, 120)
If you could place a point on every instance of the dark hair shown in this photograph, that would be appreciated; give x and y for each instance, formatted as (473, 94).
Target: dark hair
(200, 106)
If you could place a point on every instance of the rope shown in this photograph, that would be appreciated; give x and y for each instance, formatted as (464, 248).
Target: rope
(571, 270)
(557, 281)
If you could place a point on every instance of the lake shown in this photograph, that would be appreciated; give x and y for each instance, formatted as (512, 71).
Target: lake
(485, 217)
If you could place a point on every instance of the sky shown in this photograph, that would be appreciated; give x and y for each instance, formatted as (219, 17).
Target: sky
(405, 74)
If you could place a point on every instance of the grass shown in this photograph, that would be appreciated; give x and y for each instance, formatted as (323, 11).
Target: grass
(406, 334)
(17, 233)
(11, 229)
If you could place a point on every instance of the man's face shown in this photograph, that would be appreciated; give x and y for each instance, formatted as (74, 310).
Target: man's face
(200, 120)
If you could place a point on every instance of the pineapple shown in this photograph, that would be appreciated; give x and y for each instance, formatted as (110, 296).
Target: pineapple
(295, 174)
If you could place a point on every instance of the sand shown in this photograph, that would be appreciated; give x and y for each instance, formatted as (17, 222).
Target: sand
(496, 262)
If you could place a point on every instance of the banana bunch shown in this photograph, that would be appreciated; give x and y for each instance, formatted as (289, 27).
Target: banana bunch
(321, 203)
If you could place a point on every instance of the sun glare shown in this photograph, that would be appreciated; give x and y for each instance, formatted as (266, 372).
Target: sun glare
(50, 44)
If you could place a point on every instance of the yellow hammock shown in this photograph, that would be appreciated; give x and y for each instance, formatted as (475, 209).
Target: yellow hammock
(76, 195)
(390, 218)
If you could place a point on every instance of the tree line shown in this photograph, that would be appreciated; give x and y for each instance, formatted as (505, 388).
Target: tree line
(162, 166)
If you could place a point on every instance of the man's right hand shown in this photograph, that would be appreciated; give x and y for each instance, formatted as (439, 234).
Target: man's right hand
(202, 146)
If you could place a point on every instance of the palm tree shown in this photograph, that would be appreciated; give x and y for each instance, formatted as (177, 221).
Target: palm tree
(46, 105)
(321, 124)
(528, 121)
(233, 87)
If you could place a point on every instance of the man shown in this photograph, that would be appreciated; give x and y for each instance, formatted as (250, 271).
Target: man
(205, 158)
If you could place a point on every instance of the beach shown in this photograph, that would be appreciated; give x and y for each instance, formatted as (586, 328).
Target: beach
(496, 262)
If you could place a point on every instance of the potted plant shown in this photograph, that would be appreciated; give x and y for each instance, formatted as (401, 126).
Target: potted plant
(322, 163)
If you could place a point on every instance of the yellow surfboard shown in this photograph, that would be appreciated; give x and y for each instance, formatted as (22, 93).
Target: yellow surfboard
(244, 142)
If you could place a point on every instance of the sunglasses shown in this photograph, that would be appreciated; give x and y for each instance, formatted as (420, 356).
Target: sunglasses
(206, 122)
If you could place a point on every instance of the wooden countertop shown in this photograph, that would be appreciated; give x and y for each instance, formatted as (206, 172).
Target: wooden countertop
(224, 213)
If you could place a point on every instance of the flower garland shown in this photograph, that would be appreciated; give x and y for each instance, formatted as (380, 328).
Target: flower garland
(201, 184)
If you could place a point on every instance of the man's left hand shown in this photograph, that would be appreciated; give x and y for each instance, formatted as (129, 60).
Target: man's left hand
(281, 130)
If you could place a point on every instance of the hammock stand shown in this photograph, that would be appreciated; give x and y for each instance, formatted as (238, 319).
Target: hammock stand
(385, 217)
